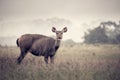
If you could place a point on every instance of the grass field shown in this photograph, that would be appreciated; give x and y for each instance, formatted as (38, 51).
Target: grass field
(72, 62)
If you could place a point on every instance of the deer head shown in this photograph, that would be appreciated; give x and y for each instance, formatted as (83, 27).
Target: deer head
(59, 34)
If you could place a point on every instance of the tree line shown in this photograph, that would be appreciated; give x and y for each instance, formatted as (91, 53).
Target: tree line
(106, 32)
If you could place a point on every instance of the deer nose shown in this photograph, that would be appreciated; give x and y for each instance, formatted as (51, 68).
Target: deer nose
(59, 37)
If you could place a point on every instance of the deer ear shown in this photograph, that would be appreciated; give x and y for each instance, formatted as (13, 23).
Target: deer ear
(53, 29)
(64, 29)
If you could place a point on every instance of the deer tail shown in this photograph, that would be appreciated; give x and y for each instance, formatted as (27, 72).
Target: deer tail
(17, 42)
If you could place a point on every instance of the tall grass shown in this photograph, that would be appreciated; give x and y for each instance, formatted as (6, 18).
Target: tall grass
(72, 62)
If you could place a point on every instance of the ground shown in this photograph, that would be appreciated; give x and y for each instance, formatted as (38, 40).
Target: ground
(72, 62)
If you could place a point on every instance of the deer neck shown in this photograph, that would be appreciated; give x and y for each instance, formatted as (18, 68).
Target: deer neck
(57, 42)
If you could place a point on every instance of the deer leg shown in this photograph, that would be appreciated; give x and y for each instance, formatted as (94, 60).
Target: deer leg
(46, 59)
(52, 59)
(21, 57)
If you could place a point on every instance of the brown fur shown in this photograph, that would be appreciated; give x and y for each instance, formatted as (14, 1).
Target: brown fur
(26, 40)
(39, 45)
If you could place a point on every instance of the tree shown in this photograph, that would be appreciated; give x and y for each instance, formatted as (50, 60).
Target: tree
(96, 36)
(102, 34)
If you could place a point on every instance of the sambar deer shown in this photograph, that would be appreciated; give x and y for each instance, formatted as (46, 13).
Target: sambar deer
(40, 45)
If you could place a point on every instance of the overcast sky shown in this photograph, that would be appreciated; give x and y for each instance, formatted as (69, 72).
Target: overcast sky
(79, 12)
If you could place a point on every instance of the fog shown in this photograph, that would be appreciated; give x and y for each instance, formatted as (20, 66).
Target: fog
(18, 17)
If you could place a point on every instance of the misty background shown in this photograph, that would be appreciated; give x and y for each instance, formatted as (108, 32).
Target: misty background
(18, 17)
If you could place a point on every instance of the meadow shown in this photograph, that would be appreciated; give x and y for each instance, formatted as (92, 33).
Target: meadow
(72, 62)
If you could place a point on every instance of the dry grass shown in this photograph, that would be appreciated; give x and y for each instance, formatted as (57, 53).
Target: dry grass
(72, 62)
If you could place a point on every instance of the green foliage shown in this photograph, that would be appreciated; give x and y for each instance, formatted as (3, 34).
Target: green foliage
(96, 36)
(106, 32)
